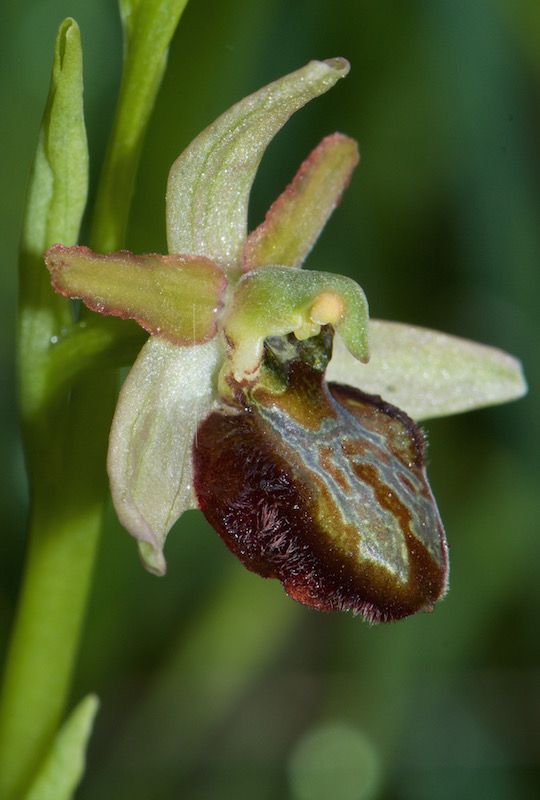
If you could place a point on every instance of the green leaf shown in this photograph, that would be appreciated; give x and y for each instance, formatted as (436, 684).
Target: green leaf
(59, 182)
(62, 769)
(274, 301)
(177, 297)
(210, 182)
(149, 26)
(167, 393)
(428, 374)
(297, 217)
(56, 200)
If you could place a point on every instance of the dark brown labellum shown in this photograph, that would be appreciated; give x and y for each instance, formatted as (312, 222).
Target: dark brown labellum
(324, 488)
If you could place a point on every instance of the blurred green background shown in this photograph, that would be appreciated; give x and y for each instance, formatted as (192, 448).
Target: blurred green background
(214, 684)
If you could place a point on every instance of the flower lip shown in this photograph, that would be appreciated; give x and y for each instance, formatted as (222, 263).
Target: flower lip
(328, 493)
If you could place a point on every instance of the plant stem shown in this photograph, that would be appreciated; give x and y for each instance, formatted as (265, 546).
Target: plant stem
(66, 432)
(64, 529)
(55, 585)
(148, 29)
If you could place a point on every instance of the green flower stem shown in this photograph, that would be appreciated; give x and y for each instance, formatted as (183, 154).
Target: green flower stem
(64, 530)
(148, 29)
(93, 345)
(66, 432)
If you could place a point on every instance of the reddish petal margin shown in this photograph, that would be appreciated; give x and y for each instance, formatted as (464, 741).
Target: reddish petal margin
(177, 297)
(329, 495)
(295, 220)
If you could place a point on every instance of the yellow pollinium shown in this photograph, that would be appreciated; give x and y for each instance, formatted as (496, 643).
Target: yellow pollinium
(276, 301)
(328, 309)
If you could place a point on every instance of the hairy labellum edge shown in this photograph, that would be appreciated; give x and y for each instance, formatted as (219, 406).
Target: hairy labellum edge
(280, 518)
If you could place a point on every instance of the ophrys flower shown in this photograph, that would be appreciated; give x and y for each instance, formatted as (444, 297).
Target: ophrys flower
(227, 407)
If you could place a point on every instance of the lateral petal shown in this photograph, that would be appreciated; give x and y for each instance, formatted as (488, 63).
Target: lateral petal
(295, 220)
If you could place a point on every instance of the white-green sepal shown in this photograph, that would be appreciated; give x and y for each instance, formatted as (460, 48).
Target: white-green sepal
(167, 393)
(427, 373)
(209, 183)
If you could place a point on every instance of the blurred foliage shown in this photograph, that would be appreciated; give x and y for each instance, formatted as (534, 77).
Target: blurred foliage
(210, 679)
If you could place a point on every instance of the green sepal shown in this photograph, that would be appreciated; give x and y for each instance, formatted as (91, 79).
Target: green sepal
(275, 301)
(295, 220)
(210, 182)
(63, 767)
(427, 373)
(177, 297)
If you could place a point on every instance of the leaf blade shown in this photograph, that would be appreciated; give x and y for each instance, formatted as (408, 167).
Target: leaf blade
(63, 767)
(55, 204)
(59, 183)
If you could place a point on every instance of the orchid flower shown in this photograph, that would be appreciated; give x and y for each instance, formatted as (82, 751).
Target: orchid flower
(264, 396)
